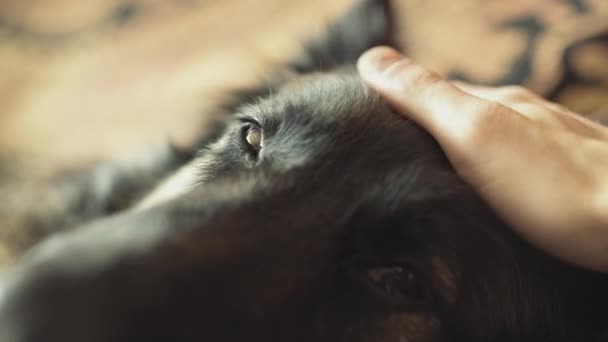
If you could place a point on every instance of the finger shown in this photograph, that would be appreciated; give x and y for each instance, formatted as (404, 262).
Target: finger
(421, 94)
(508, 94)
(583, 124)
(520, 99)
(535, 107)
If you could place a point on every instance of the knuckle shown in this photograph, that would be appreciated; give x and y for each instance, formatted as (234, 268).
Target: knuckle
(556, 107)
(484, 125)
(514, 94)
(535, 112)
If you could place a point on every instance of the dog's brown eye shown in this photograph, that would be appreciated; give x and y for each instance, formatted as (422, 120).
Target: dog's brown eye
(253, 137)
(251, 140)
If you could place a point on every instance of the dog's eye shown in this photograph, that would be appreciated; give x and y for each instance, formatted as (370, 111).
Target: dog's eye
(252, 138)
(398, 285)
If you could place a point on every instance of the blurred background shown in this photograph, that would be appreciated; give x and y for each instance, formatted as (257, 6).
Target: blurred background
(90, 79)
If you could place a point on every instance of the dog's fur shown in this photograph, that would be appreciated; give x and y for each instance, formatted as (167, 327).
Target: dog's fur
(348, 225)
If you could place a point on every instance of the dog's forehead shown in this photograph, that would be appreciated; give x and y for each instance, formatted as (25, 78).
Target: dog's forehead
(333, 126)
(328, 127)
(320, 98)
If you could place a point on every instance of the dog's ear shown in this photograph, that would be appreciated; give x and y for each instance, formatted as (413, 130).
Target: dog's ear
(367, 24)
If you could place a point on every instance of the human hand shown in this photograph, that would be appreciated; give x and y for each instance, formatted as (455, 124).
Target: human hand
(543, 168)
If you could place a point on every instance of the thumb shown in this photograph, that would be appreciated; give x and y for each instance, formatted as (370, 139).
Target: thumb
(425, 97)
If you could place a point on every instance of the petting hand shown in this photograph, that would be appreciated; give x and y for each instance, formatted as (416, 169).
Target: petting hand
(543, 168)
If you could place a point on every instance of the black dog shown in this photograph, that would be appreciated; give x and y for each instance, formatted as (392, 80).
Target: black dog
(318, 215)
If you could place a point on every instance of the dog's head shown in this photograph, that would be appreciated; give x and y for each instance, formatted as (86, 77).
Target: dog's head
(318, 215)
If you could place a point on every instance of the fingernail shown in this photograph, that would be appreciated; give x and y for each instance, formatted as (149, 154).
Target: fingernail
(376, 60)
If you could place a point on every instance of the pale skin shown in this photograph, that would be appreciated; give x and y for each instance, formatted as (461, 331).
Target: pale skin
(543, 168)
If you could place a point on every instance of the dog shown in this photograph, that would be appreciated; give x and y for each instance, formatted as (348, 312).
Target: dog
(315, 214)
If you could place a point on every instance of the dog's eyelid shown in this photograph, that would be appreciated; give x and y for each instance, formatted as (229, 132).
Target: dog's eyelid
(244, 119)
